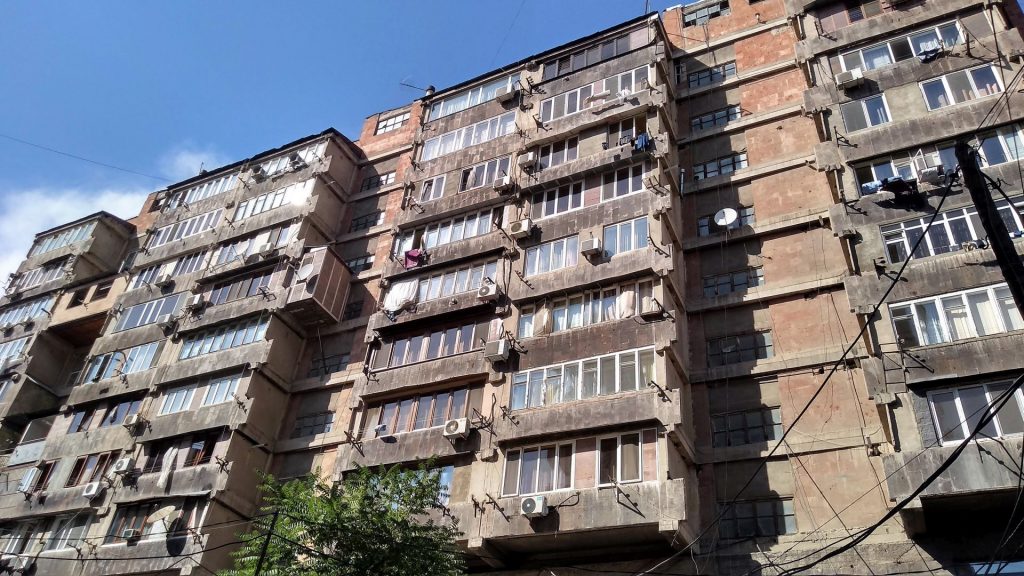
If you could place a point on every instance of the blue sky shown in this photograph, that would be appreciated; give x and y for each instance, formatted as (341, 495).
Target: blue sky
(161, 87)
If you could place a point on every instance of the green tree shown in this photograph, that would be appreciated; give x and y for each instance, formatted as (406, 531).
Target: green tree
(374, 522)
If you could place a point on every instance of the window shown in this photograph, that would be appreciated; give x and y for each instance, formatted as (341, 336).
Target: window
(957, 411)
(417, 413)
(950, 230)
(184, 228)
(391, 123)
(749, 427)
(700, 17)
(148, 312)
(448, 231)
(432, 189)
(558, 153)
(721, 166)
(584, 97)
(244, 287)
(842, 14)
(90, 468)
(742, 348)
(434, 344)
(377, 181)
(557, 201)
(619, 459)
(308, 155)
(293, 194)
(312, 424)
(36, 478)
(706, 225)
(453, 281)
(129, 361)
(622, 181)
(459, 101)
(36, 276)
(711, 75)
(224, 337)
(77, 297)
(116, 413)
(626, 371)
(961, 86)
(445, 476)
(865, 113)
(80, 420)
(538, 469)
(471, 135)
(716, 118)
(906, 165)
(276, 237)
(27, 310)
(12, 348)
(200, 450)
(102, 290)
(526, 316)
(483, 174)
(956, 316)
(17, 538)
(357, 265)
(740, 281)
(220, 390)
(1002, 146)
(353, 310)
(157, 452)
(550, 256)
(754, 518)
(62, 238)
(323, 365)
(902, 48)
(625, 236)
(177, 399)
(599, 52)
(68, 531)
(189, 514)
(207, 189)
(603, 305)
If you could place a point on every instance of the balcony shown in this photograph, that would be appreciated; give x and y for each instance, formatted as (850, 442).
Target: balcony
(449, 368)
(160, 555)
(412, 446)
(987, 468)
(447, 306)
(450, 253)
(321, 285)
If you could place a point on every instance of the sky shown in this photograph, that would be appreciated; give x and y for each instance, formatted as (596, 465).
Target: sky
(160, 89)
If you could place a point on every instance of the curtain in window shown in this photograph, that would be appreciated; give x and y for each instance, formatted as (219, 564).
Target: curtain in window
(542, 322)
(626, 304)
(928, 322)
(166, 464)
(985, 320)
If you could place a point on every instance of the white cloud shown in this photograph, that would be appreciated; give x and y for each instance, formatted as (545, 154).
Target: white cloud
(26, 212)
(185, 161)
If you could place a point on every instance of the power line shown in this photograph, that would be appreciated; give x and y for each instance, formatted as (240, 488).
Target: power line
(83, 159)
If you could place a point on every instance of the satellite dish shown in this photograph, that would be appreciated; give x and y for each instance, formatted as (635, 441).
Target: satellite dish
(162, 514)
(304, 271)
(726, 216)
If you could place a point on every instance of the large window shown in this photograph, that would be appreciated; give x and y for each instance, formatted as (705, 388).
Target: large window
(175, 267)
(244, 287)
(377, 181)
(220, 390)
(1002, 146)
(956, 412)
(148, 312)
(224, 337)
(622, 181)
(742, 348)
(556, 153)
(483, 174)
(357, 265)
(557, 201)
(391, 123)
(961, 86)
(550, 256)
(903, 47)
(620, 458)
(198, 449)
(184, 228)
(276, 237)
(90, 468)
(712, 75)
(68, 531)
(434, 344)
(716, 118)
(188, 515)
(432, 188)
(591, 307)
(459, 101)
(749, 427)
(752, 518)
(700, 17)
(12, 348)
(293, 194)
(36, 276)
(471, 135)
(313, 424)
(626, 371)
(177, 399)
(598, 52)
(117, 412)
(865, 113)
(538, 469)
(207, 189)
(957, 316)
(80, 420)
(584, 97)
(127, 361)
(27, 310)
(416, 413)
(448, 231)
(721, 166)
(950, 230)
(308, 154)
(625, 236)
(62, 238)
(730, 282)
(456, 281)
(706, 224)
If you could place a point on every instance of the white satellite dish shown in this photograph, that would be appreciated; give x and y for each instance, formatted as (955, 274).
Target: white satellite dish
(304, 271)
(726, 216)
(162, 514)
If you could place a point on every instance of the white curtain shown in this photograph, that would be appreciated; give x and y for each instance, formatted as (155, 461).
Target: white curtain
(626, 304)
(542, 321)
(401, 295)
(166, 466)
(986, 320)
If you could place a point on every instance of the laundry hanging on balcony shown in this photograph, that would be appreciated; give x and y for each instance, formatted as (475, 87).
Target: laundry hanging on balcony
(414, 258)
(401, 295)
(642, 143)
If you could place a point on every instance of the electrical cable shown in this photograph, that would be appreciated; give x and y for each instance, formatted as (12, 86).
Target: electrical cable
(82, 158)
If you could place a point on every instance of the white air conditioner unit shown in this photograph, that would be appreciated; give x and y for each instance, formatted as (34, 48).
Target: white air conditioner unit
(259, 174)
(527, 161)
(121, 466)
(503, 184)
(505, 95)
(133, 420)
(131, 534)
(456, 428)
(163, 280)
(92, 490)
(934, 175)
(849, 79)
(196, 302)
(496, 351)
(488, 293)
(521, 228)
(265, 250)
(533, 506)
(165, 321)
(590, 247)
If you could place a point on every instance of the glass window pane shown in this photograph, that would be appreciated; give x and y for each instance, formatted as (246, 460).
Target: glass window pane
(608, 461)
(975, 406)
(630, 457)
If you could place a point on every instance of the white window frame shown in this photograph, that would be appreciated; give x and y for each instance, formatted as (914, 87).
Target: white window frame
(474, 96)
(436, 186)
(896, 233)
(575, 189)
(491, 170)
(632, 225)
(61, 238)
(903, 37)
(292, 195)
(610, 182)
(522, 378)
(61, 529)
(407, 239)
(220, 389)
(583, 96)
(570, 245)
(618, 457)
(945, 333)
(468, 136)
(207, 189)
(547, 152)
(536, 477)
(964, 418)
(944, 80)
(177, 399)
(391, 123)
(473, 280)
(185, 228)
(864, 113)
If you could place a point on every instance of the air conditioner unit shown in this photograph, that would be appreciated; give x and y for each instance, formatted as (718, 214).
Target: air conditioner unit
(265, 250)
(503, 184)
(131, 534)
(505, 95)
(92, 490)
(121, 466)
(163, 280)
(496, 351)
(849, 79)
(133, 420)
(528, 161)
(533, 506)
(296, 161)
(521, 228)
(488, 293)
(165, 321)
(934, 175)
(590, 247)
(456, 428)
(259, 174)
(196, 302)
